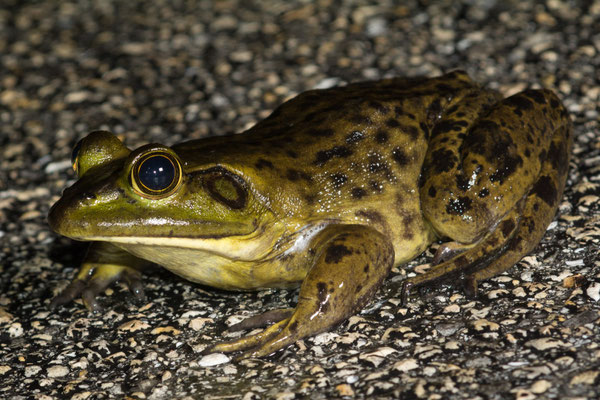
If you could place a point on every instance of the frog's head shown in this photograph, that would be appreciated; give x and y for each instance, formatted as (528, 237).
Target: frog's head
(153, 197)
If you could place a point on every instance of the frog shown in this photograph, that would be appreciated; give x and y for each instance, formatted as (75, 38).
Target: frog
(328, 193)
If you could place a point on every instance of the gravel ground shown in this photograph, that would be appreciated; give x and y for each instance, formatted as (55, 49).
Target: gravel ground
(164, 71)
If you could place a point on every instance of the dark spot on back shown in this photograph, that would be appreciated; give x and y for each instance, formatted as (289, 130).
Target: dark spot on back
(411, 130)
(458, 206)
(294, 175)
(432, 192)
(483, 192)
(358, 193)
(462, 182)
(381, 136)
(262, 163)
(371, 215)
(443, 160)
(520, 103)
(507, 165)
(335, 253)
(338, 180)
(325, 155)
(392, 123)
(447, 126)
(400, 156)
(434, 111)
(292, 154)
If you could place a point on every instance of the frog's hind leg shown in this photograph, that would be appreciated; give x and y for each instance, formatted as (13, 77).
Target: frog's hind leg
(516, 235)
(539, 209)
(522, 226)
(351, 262)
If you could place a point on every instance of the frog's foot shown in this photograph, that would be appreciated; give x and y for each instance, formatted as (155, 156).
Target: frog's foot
(96, 279)
(262, 320)
(104, 265)
(350, 264)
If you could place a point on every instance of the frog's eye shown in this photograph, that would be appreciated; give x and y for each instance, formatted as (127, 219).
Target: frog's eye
(156, 175)
(226, 187)
(75, 156)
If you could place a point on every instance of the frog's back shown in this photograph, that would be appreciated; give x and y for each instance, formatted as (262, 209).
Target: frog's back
(351, 155)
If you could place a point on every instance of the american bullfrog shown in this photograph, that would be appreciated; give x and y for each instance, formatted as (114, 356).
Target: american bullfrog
(329, 192)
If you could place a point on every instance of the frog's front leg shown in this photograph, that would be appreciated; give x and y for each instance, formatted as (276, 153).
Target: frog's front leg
(350, 263)
(104, 264)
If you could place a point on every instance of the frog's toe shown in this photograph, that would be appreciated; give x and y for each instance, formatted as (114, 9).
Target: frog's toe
(133, 280)
(249, 342)
(262, 320)
(94, 287)
(95, 279)
(69, 294)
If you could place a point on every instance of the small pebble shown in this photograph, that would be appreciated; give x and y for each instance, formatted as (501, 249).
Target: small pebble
(211, 360)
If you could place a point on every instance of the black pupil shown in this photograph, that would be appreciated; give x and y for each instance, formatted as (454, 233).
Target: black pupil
(157, 173)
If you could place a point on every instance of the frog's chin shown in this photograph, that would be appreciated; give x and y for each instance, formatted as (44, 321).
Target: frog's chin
(243, 248)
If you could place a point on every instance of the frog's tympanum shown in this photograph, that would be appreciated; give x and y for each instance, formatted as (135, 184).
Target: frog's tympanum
(329, 192)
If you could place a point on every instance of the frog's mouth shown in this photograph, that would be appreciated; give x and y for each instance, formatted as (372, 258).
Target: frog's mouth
(247, 247)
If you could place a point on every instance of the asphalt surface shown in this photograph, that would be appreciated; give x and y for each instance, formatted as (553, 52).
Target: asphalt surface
(166, 71)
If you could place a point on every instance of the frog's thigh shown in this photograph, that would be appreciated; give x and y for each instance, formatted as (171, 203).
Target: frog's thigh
(103, 265)
(523, 226)
(478, 167)
(350, 264)
(539, 209)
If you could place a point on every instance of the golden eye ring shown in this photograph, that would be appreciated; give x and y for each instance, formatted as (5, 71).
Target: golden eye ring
(156, 175)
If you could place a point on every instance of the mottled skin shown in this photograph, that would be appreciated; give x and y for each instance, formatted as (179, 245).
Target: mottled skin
(330, 191)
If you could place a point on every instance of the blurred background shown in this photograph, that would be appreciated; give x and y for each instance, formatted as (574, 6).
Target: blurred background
(167, 71)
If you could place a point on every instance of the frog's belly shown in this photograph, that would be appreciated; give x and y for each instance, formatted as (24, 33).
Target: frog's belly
(214, 270)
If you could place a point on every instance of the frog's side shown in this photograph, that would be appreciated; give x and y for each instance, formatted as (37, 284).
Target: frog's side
(331, 191)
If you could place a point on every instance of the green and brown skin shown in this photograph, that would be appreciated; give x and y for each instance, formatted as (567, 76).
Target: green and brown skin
(330, 191)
